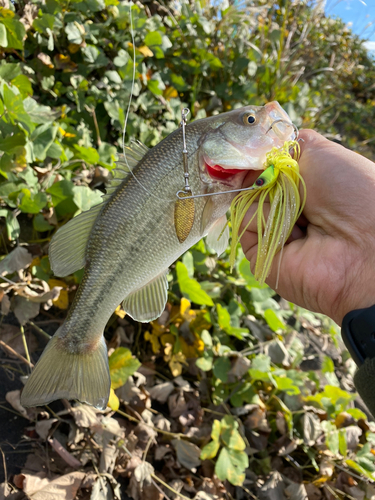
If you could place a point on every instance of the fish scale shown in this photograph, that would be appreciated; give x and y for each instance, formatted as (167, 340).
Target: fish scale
(132, 241)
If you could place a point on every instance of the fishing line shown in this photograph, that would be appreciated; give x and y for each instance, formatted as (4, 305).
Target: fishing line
(127, 114)
(186, 191)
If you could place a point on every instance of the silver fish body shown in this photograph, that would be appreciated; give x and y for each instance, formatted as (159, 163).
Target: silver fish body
(128, 243)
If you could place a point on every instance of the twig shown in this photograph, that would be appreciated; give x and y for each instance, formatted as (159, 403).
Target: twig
(12, 411)
(147, 448)
(4, 465)
(39, 329)
(160, 490)
(14, 353)
(64, 453)
(169, 487)
(25, 344)
(166, 433)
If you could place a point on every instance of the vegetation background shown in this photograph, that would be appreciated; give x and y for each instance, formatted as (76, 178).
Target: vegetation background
(234, 393)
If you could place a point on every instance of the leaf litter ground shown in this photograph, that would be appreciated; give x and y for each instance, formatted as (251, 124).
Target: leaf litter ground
(208, 402)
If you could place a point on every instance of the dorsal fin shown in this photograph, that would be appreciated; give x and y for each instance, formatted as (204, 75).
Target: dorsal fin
(134, 154)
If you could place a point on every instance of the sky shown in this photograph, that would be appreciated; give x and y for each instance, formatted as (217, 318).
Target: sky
(361, 13)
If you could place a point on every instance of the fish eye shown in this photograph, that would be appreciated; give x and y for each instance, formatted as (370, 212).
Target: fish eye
(259, 181)
(249, 119)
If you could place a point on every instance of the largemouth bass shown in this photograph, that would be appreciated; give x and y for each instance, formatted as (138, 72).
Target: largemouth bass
(128, 242)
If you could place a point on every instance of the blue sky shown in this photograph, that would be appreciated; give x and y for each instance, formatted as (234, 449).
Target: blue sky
(361, 13)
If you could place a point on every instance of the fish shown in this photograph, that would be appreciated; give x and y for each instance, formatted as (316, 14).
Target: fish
(128, 242)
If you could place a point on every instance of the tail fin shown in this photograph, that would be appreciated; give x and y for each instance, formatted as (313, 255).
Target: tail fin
(62, 374)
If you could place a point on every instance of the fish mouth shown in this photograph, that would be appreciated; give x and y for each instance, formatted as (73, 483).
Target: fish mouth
(251, 157)
(217, 172)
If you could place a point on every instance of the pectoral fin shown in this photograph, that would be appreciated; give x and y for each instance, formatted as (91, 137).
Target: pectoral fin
(147, 303)
(218, 235)
(67, 249)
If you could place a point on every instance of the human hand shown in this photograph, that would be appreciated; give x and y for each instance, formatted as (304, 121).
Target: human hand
(328, 264)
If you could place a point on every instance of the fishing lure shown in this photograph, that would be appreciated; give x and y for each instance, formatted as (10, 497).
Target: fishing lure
(278, 184)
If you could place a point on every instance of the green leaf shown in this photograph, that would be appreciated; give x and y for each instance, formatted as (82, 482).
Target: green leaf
(11, 143)
(15, 32)
(73, 33)
(343, 447)
(9, 71)
(178, 82)
(40, 224)
(191, 287)
(23, 84)
(260, 368)
(358, 468)
(30, 203)
(85, 198)
(357, 413)
(3, 36)
(16, 112)
(328, 365)
(122, 58)
(153, 38)
(205, 362)
(60, 191)
(231, 465)
(11, 222)
(42, 138)
(38, 113)
(210, 450)
(46, 21)
(221, 368)
(121, 366)
(90, 155)
(232, 439)
(273, 320)
(216, 429)
(286, 384)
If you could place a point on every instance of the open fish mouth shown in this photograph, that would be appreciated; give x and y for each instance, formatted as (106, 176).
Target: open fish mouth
(246, 160)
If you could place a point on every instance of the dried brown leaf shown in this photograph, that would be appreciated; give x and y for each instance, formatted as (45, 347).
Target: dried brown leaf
(105, 488)
(62, 488)
(296, 491)
(162, 423)
(17, 259)
(30, 12)
(5, 305)
(240, 366)
(161, 392)
(313, 493)
(273, 488)
(311, 428)
(24, 309)
(45, 58)
(85, 416)
(13, 398)
(43, 427)
(353, 433)
(5, 491)
(257, 420)
(187, 454)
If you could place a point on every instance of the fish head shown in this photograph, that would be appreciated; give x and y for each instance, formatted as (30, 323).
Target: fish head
(238, 141)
